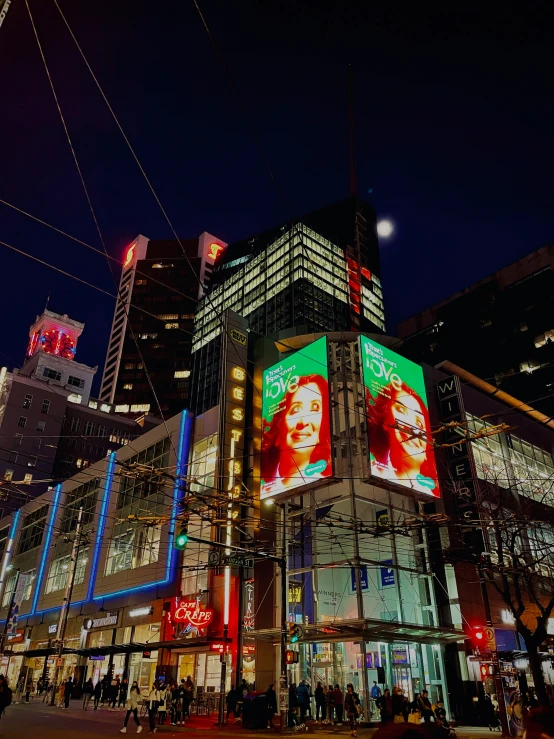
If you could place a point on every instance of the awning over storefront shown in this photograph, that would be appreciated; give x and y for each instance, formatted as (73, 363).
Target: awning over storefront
(360, 629)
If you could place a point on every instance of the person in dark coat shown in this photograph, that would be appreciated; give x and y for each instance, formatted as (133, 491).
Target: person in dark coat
(385, 706)
(338, 702)
(303, 695)
(88, 690)
(293, 706)
(97, 694)
(351, 703)
(68, 691)
(398, 706)
(123, 689)
(271, 697)
(5, 694)
(231, 701)
(319, 695)
(114, 692)
(424, 705)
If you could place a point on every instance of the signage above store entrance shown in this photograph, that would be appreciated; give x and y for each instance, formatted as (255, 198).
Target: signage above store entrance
(110, 619)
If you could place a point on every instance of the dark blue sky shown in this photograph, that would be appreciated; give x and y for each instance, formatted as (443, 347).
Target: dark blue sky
(454, 136)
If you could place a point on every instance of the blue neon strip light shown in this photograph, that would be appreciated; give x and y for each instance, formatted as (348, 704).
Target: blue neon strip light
(46, 545)
(101, 525)
(13, 527)
(183, 446)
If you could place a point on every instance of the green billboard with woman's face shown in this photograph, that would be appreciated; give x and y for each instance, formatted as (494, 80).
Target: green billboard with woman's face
(296, 430)
(400, 441)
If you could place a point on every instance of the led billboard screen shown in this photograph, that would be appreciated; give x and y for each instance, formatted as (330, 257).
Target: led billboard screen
(296, 430)
(398, 419)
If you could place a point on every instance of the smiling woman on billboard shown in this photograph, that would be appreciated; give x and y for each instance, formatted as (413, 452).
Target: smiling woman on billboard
(296, 435)
(398, 421)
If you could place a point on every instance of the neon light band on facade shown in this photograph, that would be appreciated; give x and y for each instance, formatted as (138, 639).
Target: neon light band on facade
(183, 445)
(46, 546)
(101, 525)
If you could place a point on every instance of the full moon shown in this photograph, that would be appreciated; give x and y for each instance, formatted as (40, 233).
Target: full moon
(384, 229)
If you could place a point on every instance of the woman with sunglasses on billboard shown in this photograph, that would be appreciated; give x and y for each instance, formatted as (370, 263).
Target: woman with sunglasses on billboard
(296, 443)
(399, 433)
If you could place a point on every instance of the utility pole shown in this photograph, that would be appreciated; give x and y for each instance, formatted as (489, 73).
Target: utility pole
(498, 686)
(283, 680)
(64, 613)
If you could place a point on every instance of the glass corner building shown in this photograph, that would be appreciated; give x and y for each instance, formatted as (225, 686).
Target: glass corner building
(318, 274)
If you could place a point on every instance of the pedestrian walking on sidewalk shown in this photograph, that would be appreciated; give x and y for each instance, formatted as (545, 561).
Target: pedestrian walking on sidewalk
(132, 705)
(67, 692)
(338, 702)
(123, 688)
(97, 694)
(153, 703)
(5, 694)
(319, 695)
(88, 690)
(353, 708)
(231, 701)
(271, 697)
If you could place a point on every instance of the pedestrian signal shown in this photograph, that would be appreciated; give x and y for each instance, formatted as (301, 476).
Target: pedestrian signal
(292, 657)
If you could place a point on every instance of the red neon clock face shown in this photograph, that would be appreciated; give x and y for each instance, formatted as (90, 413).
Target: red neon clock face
(130, 255)
(56, 342)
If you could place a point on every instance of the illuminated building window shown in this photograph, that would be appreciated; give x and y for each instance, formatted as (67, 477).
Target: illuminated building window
(93, 404)
(141, 282)
(27, 479)
(148, 336)
(171, 325)
(75, 398)
(123, 408)
(22, 422)
(27, 401)
(181, 374)
(133, 548)
(168, 316)
(129, 365)
(8, 475)
(140, 407)
(128, 386)
(59, 570)
(106, 408)
(160, 265)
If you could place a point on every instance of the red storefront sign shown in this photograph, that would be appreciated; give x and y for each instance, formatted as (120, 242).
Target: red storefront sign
(188, 615)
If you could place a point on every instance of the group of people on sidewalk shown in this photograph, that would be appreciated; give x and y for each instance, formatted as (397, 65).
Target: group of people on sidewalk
(332, 705)
(171, 699)
(398, 708)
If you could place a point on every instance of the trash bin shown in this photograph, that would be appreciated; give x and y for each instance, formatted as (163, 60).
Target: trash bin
(254, 711)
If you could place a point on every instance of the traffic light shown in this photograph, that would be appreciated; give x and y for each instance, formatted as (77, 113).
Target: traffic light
(295, 633)
(291, 657)
(182, 538)
(477, 636)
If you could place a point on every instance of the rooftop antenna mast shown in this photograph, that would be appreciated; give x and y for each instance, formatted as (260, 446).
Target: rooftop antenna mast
(352, 142)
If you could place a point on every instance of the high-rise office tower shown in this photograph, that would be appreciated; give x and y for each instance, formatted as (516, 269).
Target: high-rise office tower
(500, 328)
(319, 273)
(153, 321)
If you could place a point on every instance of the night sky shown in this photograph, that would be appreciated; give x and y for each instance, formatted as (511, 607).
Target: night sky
(455, 121)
